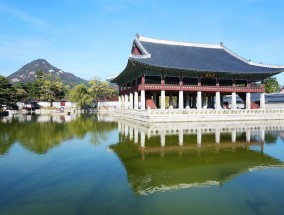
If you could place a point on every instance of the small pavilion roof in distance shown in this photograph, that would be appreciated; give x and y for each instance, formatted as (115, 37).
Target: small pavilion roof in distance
(189, 58)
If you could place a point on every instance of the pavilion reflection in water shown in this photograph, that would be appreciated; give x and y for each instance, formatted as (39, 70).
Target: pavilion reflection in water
(160, 157)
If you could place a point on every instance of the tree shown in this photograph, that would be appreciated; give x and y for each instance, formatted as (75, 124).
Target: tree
(51, 90)
(271, 85)
(101, 90)
(80, 95)
(7, 93)
(21, 91)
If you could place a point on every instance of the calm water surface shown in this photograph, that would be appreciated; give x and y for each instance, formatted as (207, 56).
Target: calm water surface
(93, 165)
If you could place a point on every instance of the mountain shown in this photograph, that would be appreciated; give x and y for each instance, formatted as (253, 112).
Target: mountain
(27, 73)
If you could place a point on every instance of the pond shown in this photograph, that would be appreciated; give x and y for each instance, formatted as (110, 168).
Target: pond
(95, 164)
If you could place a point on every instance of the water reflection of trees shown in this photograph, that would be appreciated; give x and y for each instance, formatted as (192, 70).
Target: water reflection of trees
(43, 136)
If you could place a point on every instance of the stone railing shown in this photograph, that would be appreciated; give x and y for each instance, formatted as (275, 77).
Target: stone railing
(214, 111)
(194, 115)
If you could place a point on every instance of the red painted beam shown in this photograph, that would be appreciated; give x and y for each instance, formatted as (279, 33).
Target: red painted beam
(193, 88)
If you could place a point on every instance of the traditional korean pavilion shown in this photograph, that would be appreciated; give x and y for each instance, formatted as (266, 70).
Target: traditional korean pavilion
(196, 75)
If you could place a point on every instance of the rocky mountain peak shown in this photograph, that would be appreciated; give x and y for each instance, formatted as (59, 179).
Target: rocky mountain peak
(28, 73)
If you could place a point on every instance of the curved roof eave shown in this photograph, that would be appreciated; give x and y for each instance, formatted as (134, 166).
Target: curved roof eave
(133, 64)
(205, 71)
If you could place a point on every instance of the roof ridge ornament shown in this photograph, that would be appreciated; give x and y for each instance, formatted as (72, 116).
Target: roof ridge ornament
(171, 42)
(145, 53)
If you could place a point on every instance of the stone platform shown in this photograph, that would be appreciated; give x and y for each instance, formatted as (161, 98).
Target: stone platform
(203, 115)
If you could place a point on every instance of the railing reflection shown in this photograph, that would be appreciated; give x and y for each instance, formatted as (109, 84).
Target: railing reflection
(166, 156)
(192, 135)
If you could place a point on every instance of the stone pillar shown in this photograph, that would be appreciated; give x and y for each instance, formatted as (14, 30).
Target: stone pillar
(163, 100)
(126, 101)
(142, 139)
(136, 135)
(234, 135)
(198, 102)
(122, 102)
(262, 135)
(143, 102)
(149, 134)
(136, 100)
(234, 101)
(163, 139)
(187, 103)
(217, 102)
(217, 135)
(262, 101)
(248, 101)
(119, 127)
(248, 135)
(131, 133)
(180, 100)
(199, 136)
(126, 131)
(119, 100)
(131, 101)
(180, 137)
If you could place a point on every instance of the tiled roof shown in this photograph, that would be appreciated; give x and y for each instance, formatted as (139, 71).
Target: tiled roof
(196, 57)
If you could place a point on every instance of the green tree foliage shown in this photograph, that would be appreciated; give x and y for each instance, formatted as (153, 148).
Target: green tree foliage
(97, 91)
(21, 92)
(80, 95)
(52, 90)
(101, 91)
(43, 88)
(41, 137)
(271, 85)
(7, 93)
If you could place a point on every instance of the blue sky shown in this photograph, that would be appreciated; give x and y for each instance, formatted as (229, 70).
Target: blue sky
(93, 38)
